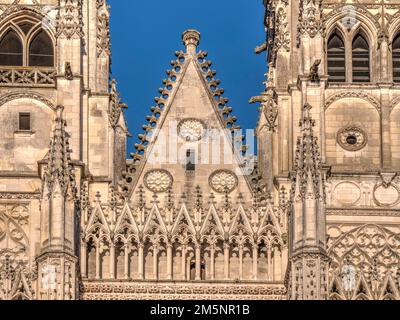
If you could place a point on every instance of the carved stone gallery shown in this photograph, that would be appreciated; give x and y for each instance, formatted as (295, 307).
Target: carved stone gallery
(315, 215)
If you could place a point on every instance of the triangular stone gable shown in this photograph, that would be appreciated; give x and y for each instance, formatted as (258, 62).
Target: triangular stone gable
(241, 222)
(183, 223)
(188, 95)
(362, 291)
(97, 218)
(336, 290)
(155, 220)
(126, 220)
(389, 289)
(21, 289)
(212, 223)
(269, 219)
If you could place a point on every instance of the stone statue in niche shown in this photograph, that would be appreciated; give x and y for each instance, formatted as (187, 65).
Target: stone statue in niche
(68, 71)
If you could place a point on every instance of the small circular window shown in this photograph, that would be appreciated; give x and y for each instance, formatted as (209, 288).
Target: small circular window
(352, 138)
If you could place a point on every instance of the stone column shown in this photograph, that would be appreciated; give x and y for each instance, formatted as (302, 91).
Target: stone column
(140, 261)
(83, 258)
(269, 257)
(169, 262)
(277, 271)
(198, 262)
(155, 262)
(98, 260)
(212, 262)
(112, 261)
(284, 260)
(226, 260)
(241, 262)
(126, 261)
(255, 261)
(183, 271)
(385, 127)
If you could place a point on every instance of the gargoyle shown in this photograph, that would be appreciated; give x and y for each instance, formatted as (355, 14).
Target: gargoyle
(314, 76)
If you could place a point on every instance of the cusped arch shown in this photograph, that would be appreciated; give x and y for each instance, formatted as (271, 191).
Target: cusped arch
(19, 13)
(394, 104)
(364, 244)
(335, 28)
(393, 28)
(353, 94)
(27, 95)
(366, 20)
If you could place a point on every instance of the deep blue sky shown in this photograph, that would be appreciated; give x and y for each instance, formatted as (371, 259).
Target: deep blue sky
(145, 35)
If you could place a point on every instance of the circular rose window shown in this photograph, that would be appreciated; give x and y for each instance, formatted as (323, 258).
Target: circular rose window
(352, 138)
(191, 129)
(223, 181)
(158, 180)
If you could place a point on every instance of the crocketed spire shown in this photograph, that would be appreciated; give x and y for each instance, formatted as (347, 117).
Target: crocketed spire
(308, 178)
(59, 167)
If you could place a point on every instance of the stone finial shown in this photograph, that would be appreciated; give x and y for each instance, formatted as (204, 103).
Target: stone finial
(191, 39)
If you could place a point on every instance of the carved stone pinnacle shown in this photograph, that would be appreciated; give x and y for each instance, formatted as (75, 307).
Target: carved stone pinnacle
(191, 39)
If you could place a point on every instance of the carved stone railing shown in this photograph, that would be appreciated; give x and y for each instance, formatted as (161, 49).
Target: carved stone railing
(164, 290)
(27, 76)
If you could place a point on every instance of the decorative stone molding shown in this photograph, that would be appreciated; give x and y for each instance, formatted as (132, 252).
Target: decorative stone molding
(386, 196)
(116, 106)
(352, 94)
(366, 246)
(93, 290)
(310, 18)
(341, 10)
(19, 196)
(30, 95)
(363, 212)
(352, 138)
(103, 28)
(223, 181)
(158, 180)
(69, 19)
(27, 77)
(277, 27)
(191, 129)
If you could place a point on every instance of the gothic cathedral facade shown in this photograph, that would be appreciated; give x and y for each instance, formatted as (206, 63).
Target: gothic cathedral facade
(315, 215)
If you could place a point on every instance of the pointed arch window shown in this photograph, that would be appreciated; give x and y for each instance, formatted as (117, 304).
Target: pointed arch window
(41, 53)
(396, 58)
(361, 59)
(336, 59)
(11, 49)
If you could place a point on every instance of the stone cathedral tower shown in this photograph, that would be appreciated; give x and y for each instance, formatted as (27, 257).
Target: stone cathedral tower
(191, 214)
(334, 67)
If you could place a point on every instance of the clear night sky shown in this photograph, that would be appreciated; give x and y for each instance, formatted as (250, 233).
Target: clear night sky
(146, 33)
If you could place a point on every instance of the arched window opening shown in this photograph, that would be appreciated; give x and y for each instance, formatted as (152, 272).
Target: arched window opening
(361, 72)
(41, 53)
(11, 50)
(336, 59)
(396, 58)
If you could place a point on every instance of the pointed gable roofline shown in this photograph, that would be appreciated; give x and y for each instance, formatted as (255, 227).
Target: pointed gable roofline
(191, 39)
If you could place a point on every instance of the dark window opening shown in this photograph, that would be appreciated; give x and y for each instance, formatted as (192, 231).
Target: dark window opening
(336, 59)
(351, 140)
(190, 160)
(11, 50)
(396, 59)
(361, 71)
(41, 53)
(25, 121)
